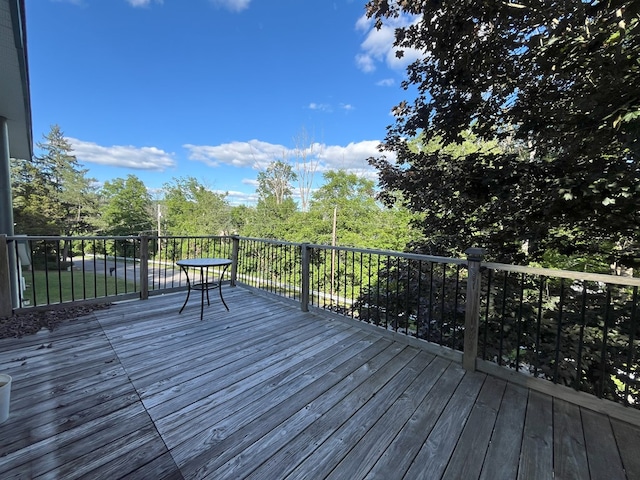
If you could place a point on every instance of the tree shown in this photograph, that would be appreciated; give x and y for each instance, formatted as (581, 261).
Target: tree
(275, 208)
(127, 207)
(556, 83)
(52, 194)
(275, 182)
(191, 208)
(306, 163)
(352, 200)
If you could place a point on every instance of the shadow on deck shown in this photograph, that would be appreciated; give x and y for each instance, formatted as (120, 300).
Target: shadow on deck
(268, 392)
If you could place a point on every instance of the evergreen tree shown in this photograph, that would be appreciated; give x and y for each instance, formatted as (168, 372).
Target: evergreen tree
(52, 194)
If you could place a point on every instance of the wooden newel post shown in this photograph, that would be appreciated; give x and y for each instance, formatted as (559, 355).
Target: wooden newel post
(304, 258)
(6, 306)
(472, 308)
(144, 267)
(235, 251)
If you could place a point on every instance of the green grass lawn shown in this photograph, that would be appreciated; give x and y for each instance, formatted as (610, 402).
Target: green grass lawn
(61, 288)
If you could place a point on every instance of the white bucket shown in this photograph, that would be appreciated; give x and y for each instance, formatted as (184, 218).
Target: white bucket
(5, 396)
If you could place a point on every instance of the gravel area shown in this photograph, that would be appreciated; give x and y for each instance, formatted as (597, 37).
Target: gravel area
(28, 323)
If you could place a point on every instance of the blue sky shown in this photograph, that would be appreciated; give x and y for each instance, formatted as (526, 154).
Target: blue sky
(213, 89)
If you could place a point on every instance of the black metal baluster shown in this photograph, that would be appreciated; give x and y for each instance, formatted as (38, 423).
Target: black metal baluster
(519, 322)
(407, 298)
(559, 332)
(583, 320)
(430, 318)
(486, 315)
(396, 297)
(73, 286)
(502, 314)
(59, 268)
(605, 336)
(442, 302)
(455, 308)
(419, 321)
(631, 348)
(538, 326)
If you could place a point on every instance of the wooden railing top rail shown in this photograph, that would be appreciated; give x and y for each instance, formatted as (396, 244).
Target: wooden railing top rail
(557, 273)
(409, 256)
(22, 238)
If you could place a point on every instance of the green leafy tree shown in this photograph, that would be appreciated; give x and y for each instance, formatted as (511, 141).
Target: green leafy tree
(192, 208)
(276, 208)
(352, 200)
(275, 182)
(556, 84)
(127, 207)
(239, 218)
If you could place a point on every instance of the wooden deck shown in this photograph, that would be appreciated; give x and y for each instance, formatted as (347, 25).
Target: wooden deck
(268, 392)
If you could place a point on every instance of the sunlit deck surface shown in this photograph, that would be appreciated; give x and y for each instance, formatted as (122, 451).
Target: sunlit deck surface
(266, 391)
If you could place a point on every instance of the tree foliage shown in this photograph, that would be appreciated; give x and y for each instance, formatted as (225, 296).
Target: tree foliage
(126, 207)
(275, 182)
(556, 83)
(51, 193)
(191, 208)
(275, 209)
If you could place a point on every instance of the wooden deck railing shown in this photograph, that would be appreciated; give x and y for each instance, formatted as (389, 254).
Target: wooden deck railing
(576, 329)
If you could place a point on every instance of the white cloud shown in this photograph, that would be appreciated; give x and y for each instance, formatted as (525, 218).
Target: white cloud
(232, 5)
(258, 155)
(377, 46)
(328, 108)
(252, 154)
(127, 156)
(143, 3)
(386, 82)
(73, 2)
(241, 198)
(352, 158)
(250, 181)
(323, 107)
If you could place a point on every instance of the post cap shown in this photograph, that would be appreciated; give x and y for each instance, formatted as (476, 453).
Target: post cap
(475, 253)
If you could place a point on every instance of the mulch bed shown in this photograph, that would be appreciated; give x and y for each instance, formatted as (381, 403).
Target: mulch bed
(30, 322)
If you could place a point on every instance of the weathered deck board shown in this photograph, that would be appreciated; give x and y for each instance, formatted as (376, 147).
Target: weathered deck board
(374, 443)
(503, 453)
(469, 452)
(266, 391)
(602, 454)
(536, 455)
(628, 439)
(399, 455)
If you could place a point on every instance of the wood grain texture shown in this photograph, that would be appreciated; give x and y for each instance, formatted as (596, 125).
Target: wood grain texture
(628, 439)
(267, 391)
(602, 451)
(504, 449)
(536, 454)
(570, 455)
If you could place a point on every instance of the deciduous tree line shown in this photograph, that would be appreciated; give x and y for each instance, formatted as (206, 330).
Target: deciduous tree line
(54, 196)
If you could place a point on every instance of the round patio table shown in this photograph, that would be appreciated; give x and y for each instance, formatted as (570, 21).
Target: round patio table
(203, 284)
